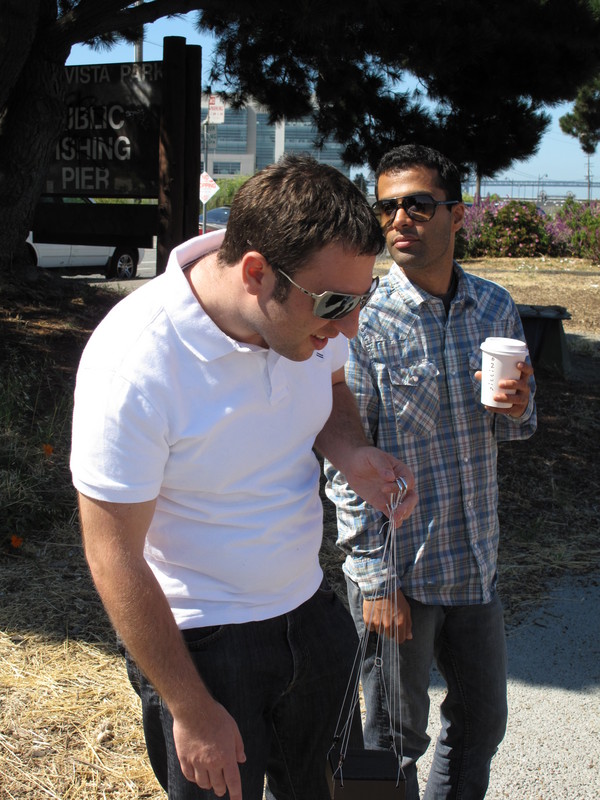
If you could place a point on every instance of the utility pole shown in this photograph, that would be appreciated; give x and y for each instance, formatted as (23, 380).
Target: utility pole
(138, 52)
(589, 177)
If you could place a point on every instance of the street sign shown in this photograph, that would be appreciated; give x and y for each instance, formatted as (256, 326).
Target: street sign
(210, 131)
(207, 187)
(216, 110)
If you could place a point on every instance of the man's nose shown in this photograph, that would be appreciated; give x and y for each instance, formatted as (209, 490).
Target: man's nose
(401, 218)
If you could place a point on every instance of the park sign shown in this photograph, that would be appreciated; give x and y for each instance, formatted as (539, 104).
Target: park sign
(110, 145)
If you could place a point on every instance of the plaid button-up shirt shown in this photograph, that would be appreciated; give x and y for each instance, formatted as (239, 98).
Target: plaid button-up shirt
(411, 370)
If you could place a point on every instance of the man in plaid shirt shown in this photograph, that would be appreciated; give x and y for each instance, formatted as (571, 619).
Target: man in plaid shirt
(414, 368)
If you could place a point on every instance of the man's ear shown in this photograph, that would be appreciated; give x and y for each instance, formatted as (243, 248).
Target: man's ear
(256, 272)
(458, 216)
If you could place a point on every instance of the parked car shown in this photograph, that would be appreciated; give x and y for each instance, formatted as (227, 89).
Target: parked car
(119, 262)
(216, 219)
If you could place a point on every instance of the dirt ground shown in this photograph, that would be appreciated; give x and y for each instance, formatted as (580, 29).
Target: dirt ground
(69, 722)
(573, 283)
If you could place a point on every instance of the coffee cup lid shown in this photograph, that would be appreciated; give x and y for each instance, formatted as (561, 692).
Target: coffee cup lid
(499, 344)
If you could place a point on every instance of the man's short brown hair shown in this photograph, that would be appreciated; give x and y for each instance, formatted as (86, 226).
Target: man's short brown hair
(294, 208)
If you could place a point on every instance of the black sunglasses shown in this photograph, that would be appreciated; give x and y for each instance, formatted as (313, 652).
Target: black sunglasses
(419, 207)
(334, 305)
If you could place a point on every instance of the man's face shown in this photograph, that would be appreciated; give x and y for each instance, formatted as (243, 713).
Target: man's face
(419, 246)
(291, 328)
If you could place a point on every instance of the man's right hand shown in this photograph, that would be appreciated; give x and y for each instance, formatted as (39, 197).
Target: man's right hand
(207, 739)
(210, 748)
(390, 615)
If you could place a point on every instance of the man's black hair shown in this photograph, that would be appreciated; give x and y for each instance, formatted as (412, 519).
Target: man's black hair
(415, 155)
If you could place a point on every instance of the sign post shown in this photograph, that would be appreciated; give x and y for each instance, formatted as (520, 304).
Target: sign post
(208, 188)
(214, 117)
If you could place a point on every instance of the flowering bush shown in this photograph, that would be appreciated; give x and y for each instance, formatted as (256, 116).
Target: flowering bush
(508, 228)
(511, 228)
(581, 223)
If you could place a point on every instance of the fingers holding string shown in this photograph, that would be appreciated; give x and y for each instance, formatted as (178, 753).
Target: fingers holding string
(403, 502)
(402, 490)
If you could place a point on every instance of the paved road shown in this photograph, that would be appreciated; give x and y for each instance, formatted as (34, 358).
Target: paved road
(146, 270)
(552, 746)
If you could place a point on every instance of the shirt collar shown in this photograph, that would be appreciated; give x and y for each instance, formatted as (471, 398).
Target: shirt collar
(192, 324)
(414, 296)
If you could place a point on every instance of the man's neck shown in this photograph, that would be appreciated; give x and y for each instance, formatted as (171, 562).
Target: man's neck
(214, 287)
(436, 282)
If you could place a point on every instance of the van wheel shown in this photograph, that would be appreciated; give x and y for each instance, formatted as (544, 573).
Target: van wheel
(123, 264)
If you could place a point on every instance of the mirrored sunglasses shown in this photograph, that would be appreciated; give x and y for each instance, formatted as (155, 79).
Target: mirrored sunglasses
(419, 207)
(334, 305)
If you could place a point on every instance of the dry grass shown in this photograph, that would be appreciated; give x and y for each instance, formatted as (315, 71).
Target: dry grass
(69, 721)
(70, 725)
(570, 282)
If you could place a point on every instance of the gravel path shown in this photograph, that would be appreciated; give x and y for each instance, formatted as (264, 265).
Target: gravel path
(552, 746)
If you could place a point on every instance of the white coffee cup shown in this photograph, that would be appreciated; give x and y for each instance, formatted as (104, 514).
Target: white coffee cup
(498, 363)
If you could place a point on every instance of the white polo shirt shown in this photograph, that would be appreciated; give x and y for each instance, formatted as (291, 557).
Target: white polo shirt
(221, 433)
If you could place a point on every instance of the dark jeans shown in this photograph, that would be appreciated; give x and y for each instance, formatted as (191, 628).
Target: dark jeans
(283, 680)
(469, 648)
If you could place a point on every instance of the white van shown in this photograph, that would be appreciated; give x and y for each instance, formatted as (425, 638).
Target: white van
(78, 259)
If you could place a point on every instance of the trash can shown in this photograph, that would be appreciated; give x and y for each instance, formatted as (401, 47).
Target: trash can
(546, 338)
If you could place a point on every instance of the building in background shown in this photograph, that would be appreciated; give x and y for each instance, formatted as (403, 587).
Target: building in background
(245, 142)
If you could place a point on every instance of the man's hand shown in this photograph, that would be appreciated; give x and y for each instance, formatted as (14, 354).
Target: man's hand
(370, 472)
(520, 399)
(373, 475)
(210, 747)
(390, 616)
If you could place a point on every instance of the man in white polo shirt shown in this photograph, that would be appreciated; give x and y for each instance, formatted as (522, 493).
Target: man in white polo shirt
(198, 402)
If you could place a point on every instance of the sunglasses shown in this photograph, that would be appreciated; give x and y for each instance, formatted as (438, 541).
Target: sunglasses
(334, 305)
(419, 207)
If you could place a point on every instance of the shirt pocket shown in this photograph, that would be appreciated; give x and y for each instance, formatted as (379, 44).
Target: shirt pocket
(415, 397)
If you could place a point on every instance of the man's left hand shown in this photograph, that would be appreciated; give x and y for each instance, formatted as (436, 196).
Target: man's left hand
(374, 475)
(519, 400)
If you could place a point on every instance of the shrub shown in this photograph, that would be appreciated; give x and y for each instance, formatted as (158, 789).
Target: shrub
(580, 226)
(517, 228)
(228, 186)
(509, 228)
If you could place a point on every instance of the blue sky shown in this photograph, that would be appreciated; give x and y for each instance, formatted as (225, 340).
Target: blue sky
(559, 156)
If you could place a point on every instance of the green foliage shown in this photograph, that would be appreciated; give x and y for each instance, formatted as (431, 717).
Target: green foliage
(359, 86)
(584, 121)
(227, 189)
(582, 221)
(512, 228)
(144, 201)
(516, 228)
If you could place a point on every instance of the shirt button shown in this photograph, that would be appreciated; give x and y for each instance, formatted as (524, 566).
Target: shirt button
(466, 459)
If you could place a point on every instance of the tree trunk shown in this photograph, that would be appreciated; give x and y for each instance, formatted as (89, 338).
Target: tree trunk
(477, 197)
(32, 122)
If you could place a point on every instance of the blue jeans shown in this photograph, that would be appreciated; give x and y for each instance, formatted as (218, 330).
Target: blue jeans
(469, 648)
(283, 680)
